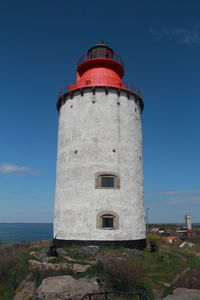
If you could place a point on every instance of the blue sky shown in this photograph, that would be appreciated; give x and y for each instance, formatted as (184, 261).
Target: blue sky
(41, 42)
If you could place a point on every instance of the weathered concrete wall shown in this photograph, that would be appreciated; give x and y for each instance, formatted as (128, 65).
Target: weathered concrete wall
(94, 130)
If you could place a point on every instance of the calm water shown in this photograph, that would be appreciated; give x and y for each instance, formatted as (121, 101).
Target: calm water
(16, 232)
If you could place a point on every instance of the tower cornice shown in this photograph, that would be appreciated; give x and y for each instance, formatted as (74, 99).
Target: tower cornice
(70, 92)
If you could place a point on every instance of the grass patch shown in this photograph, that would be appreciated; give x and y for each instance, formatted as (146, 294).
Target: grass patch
(36, 249)
(153, 237)
(13, 269)
(69, 251)
(121, 275)
(193, 261)
(95, 270)
(165, 270)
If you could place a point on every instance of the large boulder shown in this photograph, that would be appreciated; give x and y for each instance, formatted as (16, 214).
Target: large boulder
(63, 288)
(184, 294)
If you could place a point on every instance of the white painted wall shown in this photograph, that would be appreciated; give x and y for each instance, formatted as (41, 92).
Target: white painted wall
(188, 222)
(94, 130)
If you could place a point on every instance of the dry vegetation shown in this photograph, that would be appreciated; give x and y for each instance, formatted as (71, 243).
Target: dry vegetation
(13, 267)
(120, 275)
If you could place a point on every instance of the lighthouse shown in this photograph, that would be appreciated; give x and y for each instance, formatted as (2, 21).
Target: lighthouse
(99, 196)
(188, 222)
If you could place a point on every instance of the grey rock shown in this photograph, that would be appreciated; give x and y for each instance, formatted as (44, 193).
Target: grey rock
(184, 294)
(42, 255)
(64, 287)
(104, 257)
(63, 267)
(61, 252)
(88, 251)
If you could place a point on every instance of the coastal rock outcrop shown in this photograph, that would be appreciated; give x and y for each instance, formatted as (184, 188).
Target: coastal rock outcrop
(63, 267)
(63, 288)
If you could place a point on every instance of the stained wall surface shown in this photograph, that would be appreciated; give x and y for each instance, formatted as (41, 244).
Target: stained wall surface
(90, 128)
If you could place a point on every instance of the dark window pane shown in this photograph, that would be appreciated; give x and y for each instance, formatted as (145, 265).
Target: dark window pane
(107, 181)
(98, 52)
(107, 222)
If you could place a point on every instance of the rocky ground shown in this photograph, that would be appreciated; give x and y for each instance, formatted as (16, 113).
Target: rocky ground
(77, 271)
(74, 261)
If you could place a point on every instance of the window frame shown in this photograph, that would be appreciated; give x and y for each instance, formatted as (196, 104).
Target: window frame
(98, 180)
(106, 215)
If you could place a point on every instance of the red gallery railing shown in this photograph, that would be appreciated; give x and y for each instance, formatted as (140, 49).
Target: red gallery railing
(91, 83)
(104, 53)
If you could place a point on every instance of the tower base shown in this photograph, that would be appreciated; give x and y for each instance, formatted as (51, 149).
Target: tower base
(132, 244)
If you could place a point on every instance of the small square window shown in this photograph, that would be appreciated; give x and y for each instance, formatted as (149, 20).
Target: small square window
(107, 181)
(107, 222)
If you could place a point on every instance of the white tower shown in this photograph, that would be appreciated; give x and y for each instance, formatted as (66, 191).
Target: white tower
(99, 182)
(188, 222)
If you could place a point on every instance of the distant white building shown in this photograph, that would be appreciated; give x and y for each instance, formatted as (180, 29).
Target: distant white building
(188, 222)
(99, 181)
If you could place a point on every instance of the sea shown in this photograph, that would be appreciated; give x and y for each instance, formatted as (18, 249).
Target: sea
(18, 232)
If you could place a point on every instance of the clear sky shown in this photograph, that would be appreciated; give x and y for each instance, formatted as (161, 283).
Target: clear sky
(41, 41)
